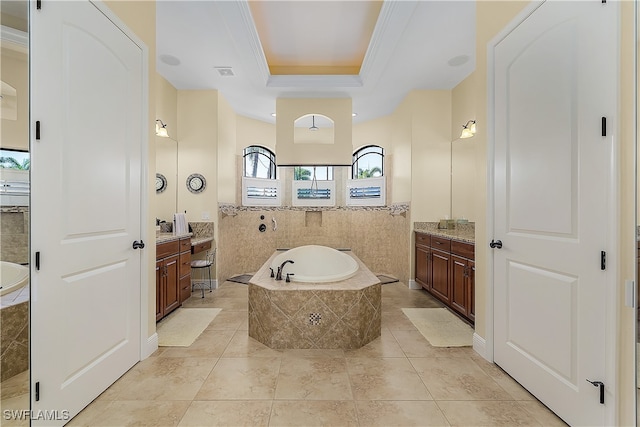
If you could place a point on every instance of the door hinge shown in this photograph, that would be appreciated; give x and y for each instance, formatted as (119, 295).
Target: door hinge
(37, 391)
(599, 384)
(37, 129)
(38, 261)
(603, 260)
(604, 126)
(38, 4)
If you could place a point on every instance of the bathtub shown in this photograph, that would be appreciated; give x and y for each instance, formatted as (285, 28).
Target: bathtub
(316, 264)
(12, 277)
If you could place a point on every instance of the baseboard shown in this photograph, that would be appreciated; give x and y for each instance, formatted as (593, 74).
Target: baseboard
(480, 346)
(214, 284)
(414, 285)
(150, 347)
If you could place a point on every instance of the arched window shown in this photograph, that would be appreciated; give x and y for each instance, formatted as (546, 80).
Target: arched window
(367, 186)
(259, 162)
(368, 162)
(259, 184)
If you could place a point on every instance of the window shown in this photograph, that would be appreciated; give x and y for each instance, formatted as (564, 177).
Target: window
(259, 162)
(368, 162)
(259, 184)
(367, 186)
(14, 178)
(313, 186)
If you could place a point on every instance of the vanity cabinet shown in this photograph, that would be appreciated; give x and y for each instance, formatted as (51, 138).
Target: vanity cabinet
(173, 270)
(446, 268)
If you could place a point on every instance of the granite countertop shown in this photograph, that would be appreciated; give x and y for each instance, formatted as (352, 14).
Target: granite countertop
(199, 240)
(169, 237)
(462, 232)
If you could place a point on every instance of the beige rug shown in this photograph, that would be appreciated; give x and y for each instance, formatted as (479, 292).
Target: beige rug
(183, 326)
(440, 327)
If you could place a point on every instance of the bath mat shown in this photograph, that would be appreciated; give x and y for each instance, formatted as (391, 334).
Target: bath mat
(384, 279)
(183, 326)
(440, 327)
(243, 278)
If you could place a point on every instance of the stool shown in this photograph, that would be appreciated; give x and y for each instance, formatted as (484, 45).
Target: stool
(201, 264)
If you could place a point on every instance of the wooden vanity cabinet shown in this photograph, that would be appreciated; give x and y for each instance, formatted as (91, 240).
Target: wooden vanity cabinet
(446, 269)
(173, 268)
(463, 279)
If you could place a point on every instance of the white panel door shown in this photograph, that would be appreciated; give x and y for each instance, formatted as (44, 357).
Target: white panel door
(86, 92)
(555, 78)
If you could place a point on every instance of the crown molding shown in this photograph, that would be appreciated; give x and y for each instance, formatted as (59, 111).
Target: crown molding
(14, 39)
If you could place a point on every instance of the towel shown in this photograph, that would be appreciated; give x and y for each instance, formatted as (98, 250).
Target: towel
(180, 223)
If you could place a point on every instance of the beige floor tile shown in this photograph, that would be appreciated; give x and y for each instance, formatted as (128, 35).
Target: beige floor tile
(313, 413)
(400, 413)
(210, 344)
(92, 412)
(232, 290)
(162, 378)
(241, 379)
(385, 379)
(138, 413)
(457, 379)
(314, 379)
(314, 352)
(15, 386)
(486, 413)
(228, 320)
(242, 345)
(396, 320)
(503, 379)
(227, 413)
(16, 405)
(414, 344)
(385, 346)
(541, 413)
(233, 304)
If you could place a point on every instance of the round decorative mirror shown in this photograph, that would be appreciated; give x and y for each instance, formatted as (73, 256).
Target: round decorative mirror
(196, 183)
(161, 183)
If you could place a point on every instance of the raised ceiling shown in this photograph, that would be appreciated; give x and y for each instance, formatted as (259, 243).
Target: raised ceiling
(255, 53)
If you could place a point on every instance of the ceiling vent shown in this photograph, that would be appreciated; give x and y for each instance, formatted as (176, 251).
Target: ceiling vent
(225, 71)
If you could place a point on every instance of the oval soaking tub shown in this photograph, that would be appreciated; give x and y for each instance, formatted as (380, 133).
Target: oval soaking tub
(12, 277)
(316, 264)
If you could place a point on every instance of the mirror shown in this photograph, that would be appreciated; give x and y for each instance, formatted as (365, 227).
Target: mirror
(14, 207)
(463, 178)
(167, 166)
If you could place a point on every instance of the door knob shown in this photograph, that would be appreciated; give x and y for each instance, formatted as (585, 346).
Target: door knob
(138, 245)
(496, 244)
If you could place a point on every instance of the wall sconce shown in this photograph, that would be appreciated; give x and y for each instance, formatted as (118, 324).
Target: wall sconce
(469, 129)
(161, 129)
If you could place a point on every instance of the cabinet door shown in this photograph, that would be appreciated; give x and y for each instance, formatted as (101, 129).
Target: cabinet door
(440, 270)
(159, 290)
(422, 267)
(471, 283)
(459, 285)
(171, 289)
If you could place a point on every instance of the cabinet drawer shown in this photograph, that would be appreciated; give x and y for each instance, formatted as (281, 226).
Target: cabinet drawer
(185, 288)
(185, 245)
(423, 239)
(185, 264)
(463, 249)
(163, 250)
(201, 247)
(441, 243)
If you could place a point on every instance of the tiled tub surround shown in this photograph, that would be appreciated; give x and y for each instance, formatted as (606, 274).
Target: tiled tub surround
(380, 237)
(14, 334)
(337, 315)
(14, 234)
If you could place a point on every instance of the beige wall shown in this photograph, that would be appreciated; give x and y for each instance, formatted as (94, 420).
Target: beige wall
(140, 17)
(627, 261)
(15, 72)
(167, 148)
(198, 151)
(227, 137)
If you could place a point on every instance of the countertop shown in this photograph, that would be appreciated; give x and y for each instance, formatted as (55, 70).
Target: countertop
(462, 232)
(169, 237)
(199, 240)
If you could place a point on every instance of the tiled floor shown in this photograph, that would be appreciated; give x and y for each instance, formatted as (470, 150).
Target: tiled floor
(228, 379)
